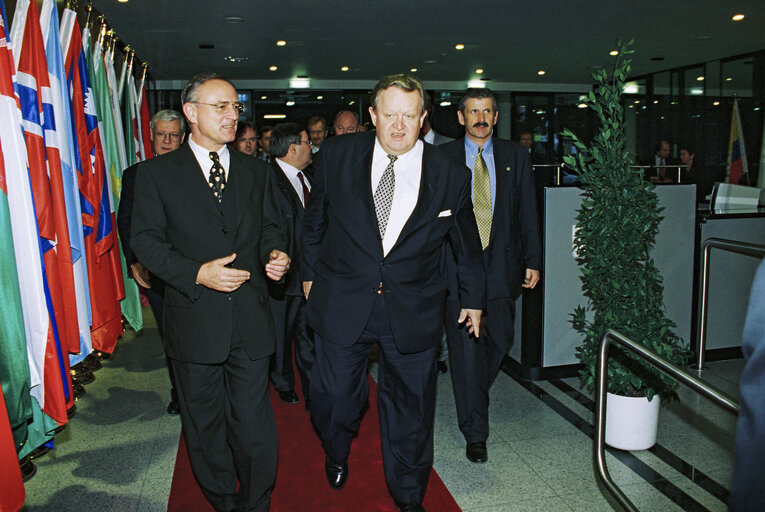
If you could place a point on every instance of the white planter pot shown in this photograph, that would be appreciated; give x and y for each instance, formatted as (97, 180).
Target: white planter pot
(631, 423)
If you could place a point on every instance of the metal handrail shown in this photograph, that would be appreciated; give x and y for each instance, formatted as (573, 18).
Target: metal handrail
(558, 167)
(728, 245)
(707, 391)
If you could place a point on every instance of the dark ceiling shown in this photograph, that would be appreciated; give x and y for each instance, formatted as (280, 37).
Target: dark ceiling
(510, 40)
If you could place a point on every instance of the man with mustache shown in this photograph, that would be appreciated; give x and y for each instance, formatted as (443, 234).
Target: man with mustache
(504, 203)
(204, 222)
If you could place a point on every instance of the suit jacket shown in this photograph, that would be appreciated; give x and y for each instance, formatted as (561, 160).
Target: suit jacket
(178, 225)
(342, 250)
(514, 243)
(289, 210)
(125, 213)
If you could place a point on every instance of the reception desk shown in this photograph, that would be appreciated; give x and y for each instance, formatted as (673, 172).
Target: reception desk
(545, 342)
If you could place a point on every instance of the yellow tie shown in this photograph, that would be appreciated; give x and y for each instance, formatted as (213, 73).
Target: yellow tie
(482, 198)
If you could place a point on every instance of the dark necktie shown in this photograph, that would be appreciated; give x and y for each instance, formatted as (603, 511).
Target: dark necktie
(306, 192)
(482, 198)
(384, 196)
(217, 179)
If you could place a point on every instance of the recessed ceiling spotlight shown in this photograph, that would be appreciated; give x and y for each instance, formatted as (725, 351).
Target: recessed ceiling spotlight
(281, 42)
(737, 17)
(351, 102)
(233, 19)
(272, 68)
(637, 101)
(584, 105)
(122, 1)
(541, 72)
(655, 102)
(274, 116)
(613, 52)
(699, 78)
(445, 103)
(696, 91)
(263, 97)
(413, 70)
(344, 68)
(728, 79)
(716, 103)
(459, 46)
(233, 58)
(319, 97)
(290, 103)
(479, 70)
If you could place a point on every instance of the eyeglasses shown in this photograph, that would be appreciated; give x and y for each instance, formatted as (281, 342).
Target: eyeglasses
(223, 106)
(173, 136)
(305, 142)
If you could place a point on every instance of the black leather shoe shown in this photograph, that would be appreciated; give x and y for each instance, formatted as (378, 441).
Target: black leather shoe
(476, 452)
(409, 507)
(173, 408)
(28, 468)
(288, 397)
(337, 473)
(442, 368)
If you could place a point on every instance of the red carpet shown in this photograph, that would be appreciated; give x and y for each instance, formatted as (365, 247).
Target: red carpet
(300, 482)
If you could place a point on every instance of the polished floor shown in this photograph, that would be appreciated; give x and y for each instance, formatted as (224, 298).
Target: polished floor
(118, 452)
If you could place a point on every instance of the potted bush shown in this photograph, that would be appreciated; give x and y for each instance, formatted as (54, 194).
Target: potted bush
(615, 232)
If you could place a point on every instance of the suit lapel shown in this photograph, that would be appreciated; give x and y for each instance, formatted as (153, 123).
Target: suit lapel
(503, 171)
(285, 185)
(428, 185)
(362, 185)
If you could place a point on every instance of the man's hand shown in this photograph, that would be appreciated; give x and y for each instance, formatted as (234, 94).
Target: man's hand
(473, 317)
(307, 288)
(217, 276)
(140, 274)
(278, 265)
(532, 278)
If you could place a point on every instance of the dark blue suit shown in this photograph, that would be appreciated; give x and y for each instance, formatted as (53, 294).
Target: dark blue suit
(513, 247)
(748, 490)
(342, 254)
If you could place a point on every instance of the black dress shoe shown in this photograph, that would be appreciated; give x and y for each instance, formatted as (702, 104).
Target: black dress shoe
(442, 368)
(39, 452)
(337, 473)
(409, 507)
(476, 452)
(173, 408)
(288, 397)
(28, 468)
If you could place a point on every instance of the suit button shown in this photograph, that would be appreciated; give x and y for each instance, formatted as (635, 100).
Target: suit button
(379, 289)
(229, 297)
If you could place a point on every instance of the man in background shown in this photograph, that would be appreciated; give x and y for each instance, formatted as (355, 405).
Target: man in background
(246, 139)
(346, 121)
(264, 140)
(167, 133)
(317, 131)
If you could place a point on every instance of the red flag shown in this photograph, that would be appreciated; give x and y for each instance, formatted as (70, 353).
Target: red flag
(12, 493)
(145, 123)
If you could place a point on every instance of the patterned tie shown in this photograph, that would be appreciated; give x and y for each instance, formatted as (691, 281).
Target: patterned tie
(306, 192)
(384, 195)
(217, 180)
(482, 198)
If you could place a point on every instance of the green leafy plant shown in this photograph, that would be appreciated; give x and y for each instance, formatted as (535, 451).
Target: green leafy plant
(616, 228)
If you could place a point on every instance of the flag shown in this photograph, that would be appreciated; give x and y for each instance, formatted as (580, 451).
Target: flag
(33, 87)
(105, 283)
(145, 122)
(736, 151)
(12, 493)
(14, 365)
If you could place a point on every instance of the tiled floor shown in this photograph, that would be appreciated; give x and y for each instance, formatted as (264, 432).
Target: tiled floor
(118, 452)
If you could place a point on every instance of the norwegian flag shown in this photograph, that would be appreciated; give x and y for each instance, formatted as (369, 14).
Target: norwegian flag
(33, 87)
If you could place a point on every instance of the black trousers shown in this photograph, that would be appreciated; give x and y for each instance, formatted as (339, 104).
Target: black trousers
(157, 304)
(230, 429)
(289, 319)
(475, 363)
(406, 397)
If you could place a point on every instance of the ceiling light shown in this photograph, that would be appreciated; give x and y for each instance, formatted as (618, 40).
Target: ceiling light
(478, 84)
(584, 105)
(728, 79)
(281, 42)
(122, 1)
(613, 52)
(459, 46)
(274, 116)
(344, 68)
(737, 17)
(263, 97)
(233, 58)
(637, 101)
(319, 97)
(351, 102)
(479, 70)
(716, 103)
(272, 68)
(699, 78)
(655, 102)
(631, 88)
(300, 83)
(445, 103)
(413, 70)
(289, 103)
(233, 19)
(541, 72)
(696, 91)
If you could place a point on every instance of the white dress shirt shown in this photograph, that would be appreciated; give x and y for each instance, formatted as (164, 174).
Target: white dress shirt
(292, 174)
(205, 163)
(407, 169)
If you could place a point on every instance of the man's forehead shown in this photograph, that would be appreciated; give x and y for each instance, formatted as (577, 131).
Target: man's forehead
(218, 89)
(472, 103)
(162, 124)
